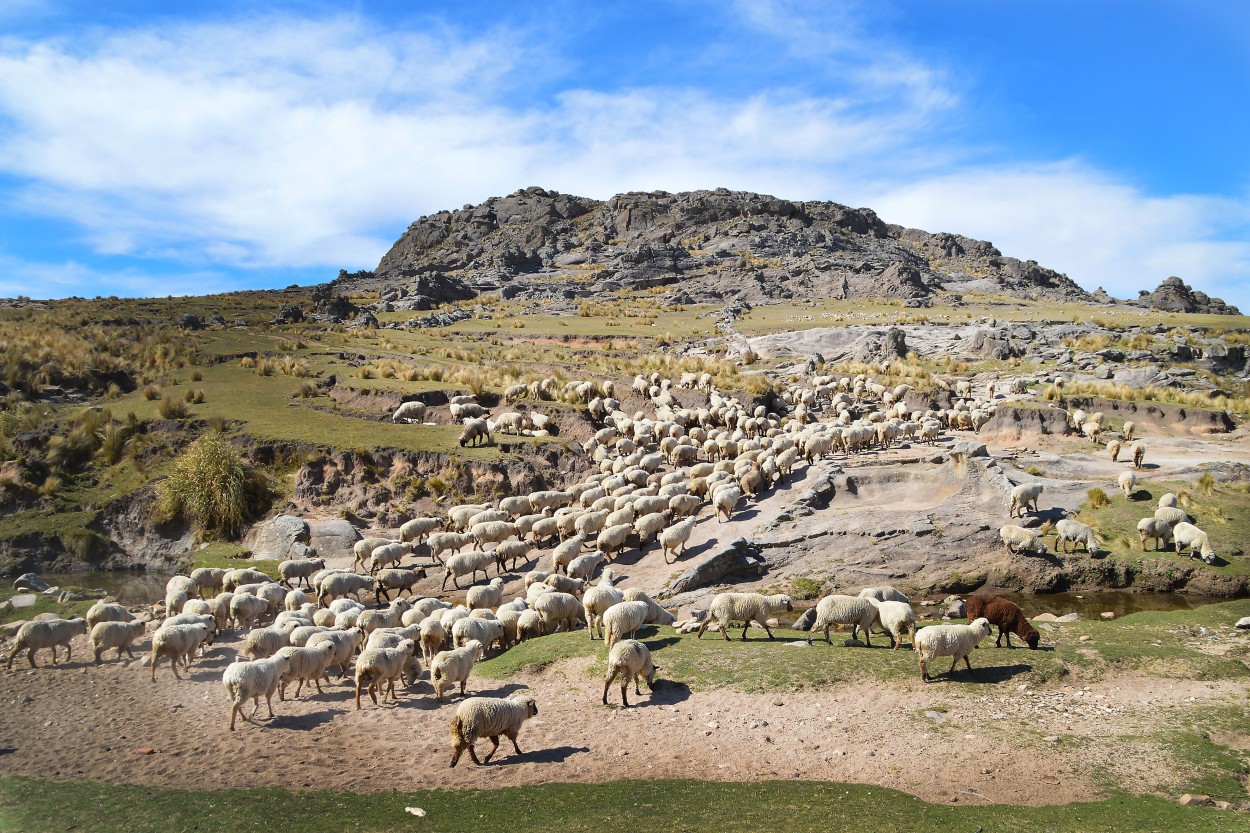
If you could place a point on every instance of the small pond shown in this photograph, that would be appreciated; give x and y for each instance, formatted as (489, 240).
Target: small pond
(126, 586)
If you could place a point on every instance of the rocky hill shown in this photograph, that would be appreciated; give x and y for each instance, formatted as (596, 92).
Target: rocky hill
(1174, 295)
(708, 246)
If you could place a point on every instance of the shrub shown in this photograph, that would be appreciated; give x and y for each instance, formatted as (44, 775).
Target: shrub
(216, 423)
(213, 488)
(1097, 498)
(805, 588)
(151, 392)
(170, 408)
(197, 376)
(85, 544)
(1206, 483)
(113, 442)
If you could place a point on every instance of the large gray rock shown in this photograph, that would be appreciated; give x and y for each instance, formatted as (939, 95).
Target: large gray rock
(805, 622)
(334, 538)
(30, 581)
(736, 559)
(24, 600)
(275, 538)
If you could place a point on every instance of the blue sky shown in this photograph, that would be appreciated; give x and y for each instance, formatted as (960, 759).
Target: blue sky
(157, 148)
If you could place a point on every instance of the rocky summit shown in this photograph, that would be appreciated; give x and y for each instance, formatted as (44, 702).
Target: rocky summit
(708, 246)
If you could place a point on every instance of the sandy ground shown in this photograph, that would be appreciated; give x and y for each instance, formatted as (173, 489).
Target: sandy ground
(937, 741)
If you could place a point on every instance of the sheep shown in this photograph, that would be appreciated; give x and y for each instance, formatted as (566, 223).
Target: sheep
(724, 500)
(243, 575)
(399, 580)
(955, 641)
(103, 611)
(113, 634)
(305, 663)
(178, 642)
(1113, 448)
(1127, 481)
(220, 605)
(371, 620)
(489, 717)
(1139, 453)
(264, 642)
(299, 636)
(1128, 429)
(295, 600)
(345, 643)
(743, 607)
(388, 555)
(623, 618)
(1021, 540)
(1160, 531)
(613, 538)
(629, 659)
(674, 538)
(475, 429)
(299, 568)
(1167, 499)
(454, 666)
(510, 551)
(837, 609)
(466, 563)
(194, 619)
(1004, 613)
(432, 637)
(528, 625)
(1074, 532)
(565, 552)
(566, 584)
(1022, 497)
(597, 600)
(252, 679)
(1188, 536)
(649, 526)
(208, 578)
(472, 629)
(413, 411)
(884, 593)
(583, 567)
(556, 610)
(343, 584)
(362, 549)
(683, 506)
(418, 528)
(1171, 515)
(489, 596)
(896, 618)
(492, 532)
(442, 542)
(375, 667)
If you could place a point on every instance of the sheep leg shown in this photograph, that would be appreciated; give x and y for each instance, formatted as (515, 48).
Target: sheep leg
(1008, 635)
(100, 651)
(767, 630)
(998, 643)
(268, 703)
(515, 748)
(967, 663)
(924, 672)
(473, 754)
(608, 683)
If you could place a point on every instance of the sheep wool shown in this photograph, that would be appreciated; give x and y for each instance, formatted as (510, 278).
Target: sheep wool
(955, 641)
(489, 717)
(630, 660)
(858, 612)
(454, 666)
(119, 635)
(253, 679)
(727, 608)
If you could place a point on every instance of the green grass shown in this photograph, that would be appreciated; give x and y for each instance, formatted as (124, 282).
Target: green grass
(224, 554)
(34, 805)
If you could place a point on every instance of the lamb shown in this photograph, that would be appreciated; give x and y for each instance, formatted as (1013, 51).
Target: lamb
(306, 664)
(376, 667)
(345, 644)
(119, 635)
(1021, 540)
(1188, 536)
(340, 585)
(208, 578)
(1139, 453)
(837, 609)
(471, 629)
(884, 593)
(656, 615)
(727, 608)
(103, 611)
(299, 568)
(489, 717)
(253, 679)
(451, 667)
(466, 563)
(178, 642)
(413, 411)
(674, 538)
(398, 580)
(897, 618)
(418, 528)
(489, 596)
(1075, 532)
(955, 641)
(630, 659)
(1127, 482)
(556, 610)
(475, 430)
(432, 636)
(1160, 531)
(36, 636)
(1022, 497)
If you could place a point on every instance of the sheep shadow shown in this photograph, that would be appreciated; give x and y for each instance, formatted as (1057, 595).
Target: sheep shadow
(553, 755)
(501, 691)
(7, 750)
(1140, 495)
(697, 550)
(655, 644)
(990, 674)
(304, 722)
(666, 693)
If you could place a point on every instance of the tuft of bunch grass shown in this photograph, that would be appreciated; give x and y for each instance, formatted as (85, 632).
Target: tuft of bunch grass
(213, 488)
(1097, 498)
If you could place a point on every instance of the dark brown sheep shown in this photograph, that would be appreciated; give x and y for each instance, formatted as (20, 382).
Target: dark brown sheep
(1007, 615)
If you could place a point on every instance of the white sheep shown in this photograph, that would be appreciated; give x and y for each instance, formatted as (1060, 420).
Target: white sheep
(1127, 481)
(623, 618)
(208, 578)
(242, 575)
(493, 532)
(418, 528)
(1139, 453)
(656, 615)
(511, 551)
(178, 642)
(556, 610)
(475, 430)
(583, 567)
(597, 600)
(466, 563)
(727, 608)
(362, 549)
(35, 636)
(565, 552)
(1113, 448)
(299, 568)
(955, 641)
(377, 667)
(1021, 540)
(253, 679)
(489, 717)
(896, 619)
(1171, 515)
(391, 617)
(119, 635)
(724, 500)
(261, 643)
(345, 643)
(1188, 536)
(103, 611)
(388, 555)
(629, 659)
(1074, 532)
(399, 580)
(338, 585)
(454, 666)
(884, 593)
(489, 596)
(674, 538)
(433, 635)
(413, 411)
(306, 663)
(613, 538)
(1153, 528)
(473, 629)
(1022, 497)
(837, 609)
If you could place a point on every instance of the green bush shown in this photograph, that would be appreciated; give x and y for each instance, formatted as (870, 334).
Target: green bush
(1097, 498)
(213, 488)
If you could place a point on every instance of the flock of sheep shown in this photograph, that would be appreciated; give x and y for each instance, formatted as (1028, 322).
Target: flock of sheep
(655, 474)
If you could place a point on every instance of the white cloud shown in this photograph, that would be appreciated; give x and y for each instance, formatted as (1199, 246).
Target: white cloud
(69, 278)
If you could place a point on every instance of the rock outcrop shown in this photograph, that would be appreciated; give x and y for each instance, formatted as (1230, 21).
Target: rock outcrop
(1174, 295)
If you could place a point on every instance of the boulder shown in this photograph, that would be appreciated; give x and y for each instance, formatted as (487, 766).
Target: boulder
(1243, 623)
(333, 538)
(30, 581)
(740, 557)
(955, 609)
(805, 622)
(275, 538)
(23, 600)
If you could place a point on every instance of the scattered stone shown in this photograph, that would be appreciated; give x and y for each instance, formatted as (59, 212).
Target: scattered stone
(1085, 638)
(1243, 623)
(1196, 800)
(23, 600)
(1107, 614)
(1069, 617)
(146, 750)
(30, 581)
(1045, 617)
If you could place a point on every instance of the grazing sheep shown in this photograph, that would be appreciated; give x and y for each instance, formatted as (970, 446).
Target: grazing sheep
(897, 619)
(399, 580)
(1021, 540)
(413, 411)
(1188, 536)
(490, 596)
(1160, 531)
(529, 625)
(556, 610)
(856, 611)
(1171, 515)
(955, 641)
(656, 615)
(119, 635)
(1139, 453)
(1127, 481)
(1022, 497)
(475, 429)
(1074, 532)
(1167, 499)
(178, 642)
(299, 568)
(1113, 448)
(339, 585)
(103, 611)
(306, 663)
(727, 608)
(208, 578)
(675, 537)
(454, 666)
(472, 629)
(489, 717)
(345, 643)
(253, 679)
(884, 593)
(629, 659)
(1004, 613)
(623, 618)
(466, 563)
(377, 667)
